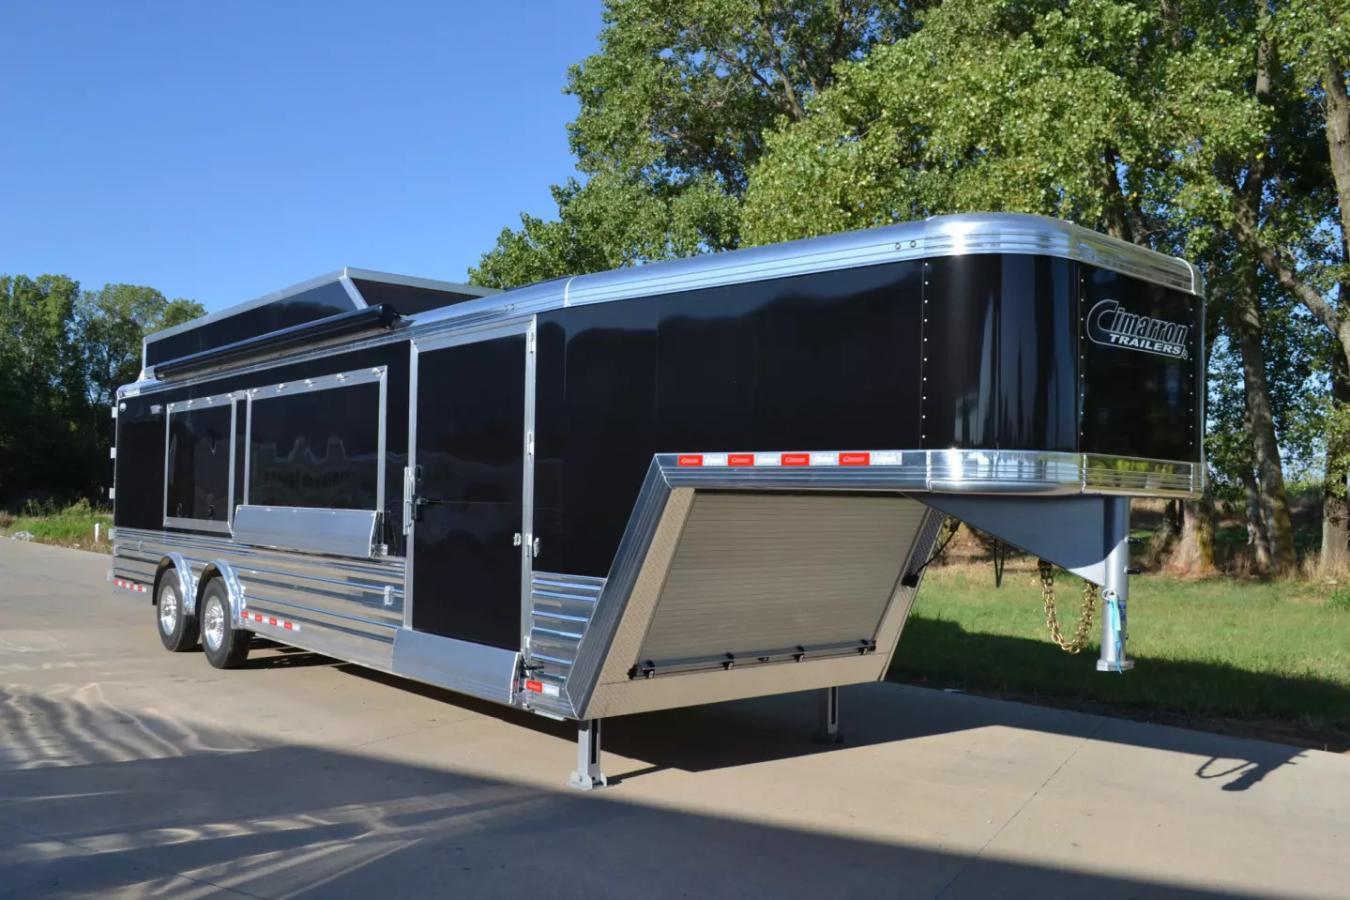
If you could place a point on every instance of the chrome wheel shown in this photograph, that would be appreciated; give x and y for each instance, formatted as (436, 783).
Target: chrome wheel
(168, 609)
(213, 623)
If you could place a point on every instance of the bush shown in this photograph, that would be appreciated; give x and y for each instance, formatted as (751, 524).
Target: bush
(1340, 599)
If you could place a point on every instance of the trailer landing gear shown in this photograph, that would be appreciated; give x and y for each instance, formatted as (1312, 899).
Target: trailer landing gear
(829, 732)
(588, 774)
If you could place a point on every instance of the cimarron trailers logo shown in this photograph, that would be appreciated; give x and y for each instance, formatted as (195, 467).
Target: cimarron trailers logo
(1111, 325)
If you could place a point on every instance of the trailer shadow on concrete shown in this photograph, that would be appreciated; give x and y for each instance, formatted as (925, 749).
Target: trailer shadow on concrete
(745, 732)
(97, 800)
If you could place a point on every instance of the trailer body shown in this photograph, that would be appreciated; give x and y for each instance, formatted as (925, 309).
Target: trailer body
(673, 484)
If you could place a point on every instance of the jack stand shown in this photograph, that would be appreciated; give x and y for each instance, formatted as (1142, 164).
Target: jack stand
(588, 774)
(829, 717)
(1116, 588)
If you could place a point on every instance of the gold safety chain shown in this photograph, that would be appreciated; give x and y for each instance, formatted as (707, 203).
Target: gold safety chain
(1080, 634)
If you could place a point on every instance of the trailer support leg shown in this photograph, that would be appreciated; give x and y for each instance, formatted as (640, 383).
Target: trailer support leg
(829, 717)
(588, 774)
(1116, 587)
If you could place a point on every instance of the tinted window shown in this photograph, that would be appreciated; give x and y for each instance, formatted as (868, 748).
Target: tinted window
(315, 448)
(139, 502)
(199, 464)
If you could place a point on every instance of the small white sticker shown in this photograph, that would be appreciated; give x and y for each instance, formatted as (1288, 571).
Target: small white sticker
(824, 459)
(714, 459)
(766, 459)
(885, 458)
(550, 690)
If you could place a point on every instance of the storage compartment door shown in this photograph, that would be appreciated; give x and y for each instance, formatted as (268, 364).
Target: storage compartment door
(469, 472)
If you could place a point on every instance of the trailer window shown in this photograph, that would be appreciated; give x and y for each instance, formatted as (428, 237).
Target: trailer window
(197, 488)
(317, 448)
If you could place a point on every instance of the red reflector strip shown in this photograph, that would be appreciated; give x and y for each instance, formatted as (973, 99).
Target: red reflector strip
(795, 459)
(536, 686)
(691, 459)
(855, 459)
(740, 459)
(129, 586)
(260, 619)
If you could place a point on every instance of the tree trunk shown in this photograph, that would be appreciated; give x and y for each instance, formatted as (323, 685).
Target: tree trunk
(1274, 503)
(1334, 560)
(1246, 324)
(1258, 536)
(1160, 543)
(1194, 554)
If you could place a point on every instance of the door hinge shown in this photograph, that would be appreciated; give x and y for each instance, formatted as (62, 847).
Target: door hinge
(529, 444)
(529, 341)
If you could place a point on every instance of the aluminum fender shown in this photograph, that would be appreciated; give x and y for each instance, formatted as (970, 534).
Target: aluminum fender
(218, 568)
(187, 582)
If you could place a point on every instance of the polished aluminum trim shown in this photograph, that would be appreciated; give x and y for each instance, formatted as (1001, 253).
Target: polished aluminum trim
(946, 471)
(939, 236)
(432, 284)
(335, 532)
(474, 669)
(527, 544)
(352, 291)
(561, 608)
(348, 607)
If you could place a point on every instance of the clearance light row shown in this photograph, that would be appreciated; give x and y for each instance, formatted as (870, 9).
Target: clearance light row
(260, 619)
(831, 458)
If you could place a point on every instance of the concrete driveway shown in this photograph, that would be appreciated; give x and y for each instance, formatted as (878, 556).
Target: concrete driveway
(127, 770)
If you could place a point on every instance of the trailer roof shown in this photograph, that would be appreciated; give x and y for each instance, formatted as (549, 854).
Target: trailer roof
(345, 290)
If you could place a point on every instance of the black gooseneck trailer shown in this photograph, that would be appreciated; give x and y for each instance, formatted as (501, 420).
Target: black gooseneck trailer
(674, 484)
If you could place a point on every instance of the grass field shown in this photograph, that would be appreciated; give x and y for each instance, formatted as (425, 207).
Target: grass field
(1274, 655)
(72, 526)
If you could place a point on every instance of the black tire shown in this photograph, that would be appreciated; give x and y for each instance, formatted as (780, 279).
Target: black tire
(226, 647)
(177, 630)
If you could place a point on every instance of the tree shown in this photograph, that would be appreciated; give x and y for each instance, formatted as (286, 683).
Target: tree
(674, 107)
(63, 354)
(112, 323)
(1131, 118)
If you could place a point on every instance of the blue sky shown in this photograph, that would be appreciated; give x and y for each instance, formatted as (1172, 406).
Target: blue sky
(220, 151)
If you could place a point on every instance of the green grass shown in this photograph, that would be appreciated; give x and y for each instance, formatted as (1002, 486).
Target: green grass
(1274, 654)
(72, 526)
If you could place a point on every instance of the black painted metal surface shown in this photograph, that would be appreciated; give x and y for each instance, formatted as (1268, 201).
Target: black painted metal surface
(317, 303)
(470, 442)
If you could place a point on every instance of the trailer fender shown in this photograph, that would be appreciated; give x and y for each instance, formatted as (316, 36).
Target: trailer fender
(218, 568)
(175, 565)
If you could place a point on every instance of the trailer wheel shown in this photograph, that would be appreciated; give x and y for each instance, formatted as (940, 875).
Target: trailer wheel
(177, 630)
(226, 646)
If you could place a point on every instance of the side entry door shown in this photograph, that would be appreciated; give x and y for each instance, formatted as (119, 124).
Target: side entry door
(468, 482)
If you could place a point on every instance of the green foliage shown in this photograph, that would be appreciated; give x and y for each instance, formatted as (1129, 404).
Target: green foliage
(1339, 600)
(69, 526)
(63, 354)
(674, 107)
